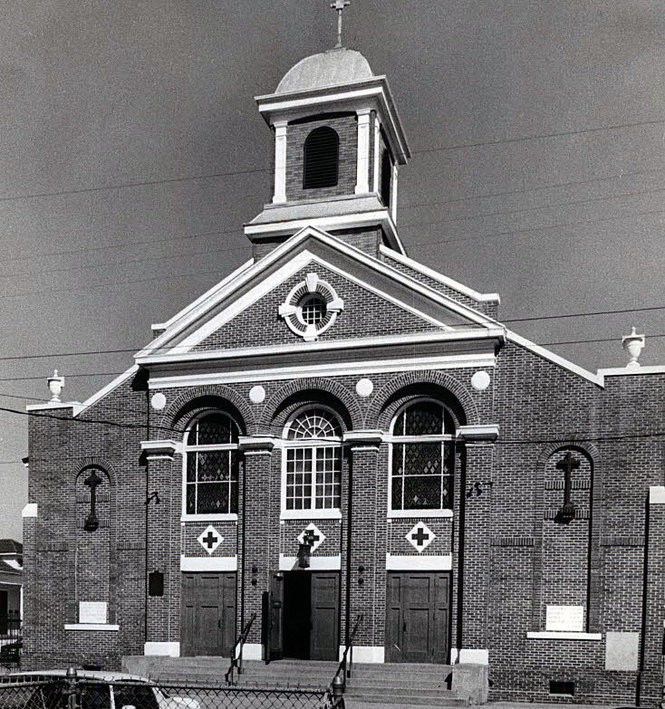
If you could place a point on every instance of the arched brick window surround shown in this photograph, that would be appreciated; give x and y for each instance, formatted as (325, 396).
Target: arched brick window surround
(298, 393)
(176, 417)
(438, 385)
(594, 600)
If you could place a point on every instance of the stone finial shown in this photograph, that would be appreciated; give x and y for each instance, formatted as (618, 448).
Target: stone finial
(633, 344)
(55, 384)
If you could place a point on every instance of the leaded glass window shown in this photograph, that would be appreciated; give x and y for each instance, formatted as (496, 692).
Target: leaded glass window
(422, 457)
(212, 465)
(313, 461)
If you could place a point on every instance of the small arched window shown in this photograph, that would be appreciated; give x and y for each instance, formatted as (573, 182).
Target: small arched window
(422, 457)
(321, 158)
(312, 461)
(212, 465)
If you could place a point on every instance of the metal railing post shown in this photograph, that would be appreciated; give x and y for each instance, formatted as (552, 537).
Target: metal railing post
(72, 689)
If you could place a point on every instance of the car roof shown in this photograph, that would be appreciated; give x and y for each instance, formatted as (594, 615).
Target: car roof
(102, 675)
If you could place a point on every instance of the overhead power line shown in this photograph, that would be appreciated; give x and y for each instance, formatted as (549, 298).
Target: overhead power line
(577, 436)
(421, 151)
(539, 188)
(542, 136)
(129, 185)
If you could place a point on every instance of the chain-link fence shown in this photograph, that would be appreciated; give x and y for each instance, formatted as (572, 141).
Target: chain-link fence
(74, 692)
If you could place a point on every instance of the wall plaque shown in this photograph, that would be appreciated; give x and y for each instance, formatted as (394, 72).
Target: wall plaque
(565, 619)
(92, 612)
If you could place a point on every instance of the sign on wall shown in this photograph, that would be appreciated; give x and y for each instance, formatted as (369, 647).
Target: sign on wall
(92, 612)
(565, 619)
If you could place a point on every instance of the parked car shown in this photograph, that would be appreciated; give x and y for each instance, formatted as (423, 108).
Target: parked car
(98, 690)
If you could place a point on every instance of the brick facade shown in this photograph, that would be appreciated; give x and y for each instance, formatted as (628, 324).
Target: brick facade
(541, 599)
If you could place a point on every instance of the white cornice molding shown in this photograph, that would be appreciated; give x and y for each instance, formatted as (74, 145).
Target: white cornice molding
(114, 384)
(631, 371)
(30, 511)
(215, 563)
(363, 438)
(339, 221)
(75, 406)
(375, 90)
(479, 432)
(596, 379)
(328, 345)
(160, 449)
(444, 280)
(283, 249)
(256, 443)
(323, 370)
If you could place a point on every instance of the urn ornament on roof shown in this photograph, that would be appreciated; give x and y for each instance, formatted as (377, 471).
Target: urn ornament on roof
(633, 344)
(55, 384)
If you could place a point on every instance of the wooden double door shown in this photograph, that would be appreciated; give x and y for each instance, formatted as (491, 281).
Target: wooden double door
(208, 618)
(418, 617)
(303, 615)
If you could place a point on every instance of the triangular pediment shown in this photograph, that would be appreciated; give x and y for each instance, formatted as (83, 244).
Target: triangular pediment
(259, 306)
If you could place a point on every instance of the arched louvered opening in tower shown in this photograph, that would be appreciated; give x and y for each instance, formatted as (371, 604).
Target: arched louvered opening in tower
(321, 159)
(386, 177)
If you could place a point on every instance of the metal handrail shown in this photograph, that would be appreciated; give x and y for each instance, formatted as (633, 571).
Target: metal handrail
(346, 663)
(236, 651)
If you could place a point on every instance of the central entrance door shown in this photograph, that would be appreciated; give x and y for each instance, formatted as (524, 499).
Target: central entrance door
(208, 613)
(305, 615)
(417, 617)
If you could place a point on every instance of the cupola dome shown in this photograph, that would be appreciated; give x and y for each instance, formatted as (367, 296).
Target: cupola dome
(332, 68)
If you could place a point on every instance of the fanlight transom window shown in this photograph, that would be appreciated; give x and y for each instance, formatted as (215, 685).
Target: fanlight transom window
(314, 423)
(313, 461)
(422, 457)
(212, 465)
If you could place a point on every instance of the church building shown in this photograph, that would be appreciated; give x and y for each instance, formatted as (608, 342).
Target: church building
(337, 434)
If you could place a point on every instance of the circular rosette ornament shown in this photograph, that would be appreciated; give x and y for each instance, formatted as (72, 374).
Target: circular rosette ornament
(311, 308)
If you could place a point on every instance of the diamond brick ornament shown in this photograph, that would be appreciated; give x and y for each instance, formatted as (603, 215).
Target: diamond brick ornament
(210, 539)
(420, 537)
(312, 533)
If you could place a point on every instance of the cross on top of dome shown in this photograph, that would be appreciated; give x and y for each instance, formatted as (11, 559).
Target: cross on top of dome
(339, 6)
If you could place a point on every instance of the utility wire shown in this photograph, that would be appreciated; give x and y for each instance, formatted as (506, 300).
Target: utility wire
(239, 248)
(525, 190)
(422, 151)
(572, 437)
(129, 185)
(543, 136)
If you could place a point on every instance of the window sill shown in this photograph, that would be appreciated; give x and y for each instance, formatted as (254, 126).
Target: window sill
(311, 514)
(397, 514)
(563, 635)
(92, 626)
(214, 517)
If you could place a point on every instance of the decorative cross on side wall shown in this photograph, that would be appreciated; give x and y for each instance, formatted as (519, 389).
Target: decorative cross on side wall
(567, 513)
(91, 521)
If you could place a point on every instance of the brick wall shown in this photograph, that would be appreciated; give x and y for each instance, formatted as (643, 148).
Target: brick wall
(297, 132)
(510, 557)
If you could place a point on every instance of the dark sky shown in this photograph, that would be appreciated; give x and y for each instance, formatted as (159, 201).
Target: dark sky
(537, 130)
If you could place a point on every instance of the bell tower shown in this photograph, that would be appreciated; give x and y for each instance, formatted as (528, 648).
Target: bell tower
(339, 144)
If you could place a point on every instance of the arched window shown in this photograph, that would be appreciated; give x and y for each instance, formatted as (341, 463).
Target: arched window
(312, 461)
(211, 465)
(321, 158)
(422, 457)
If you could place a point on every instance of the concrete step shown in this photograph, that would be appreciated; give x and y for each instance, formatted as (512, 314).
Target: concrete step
(427, 697)
(380, 699)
